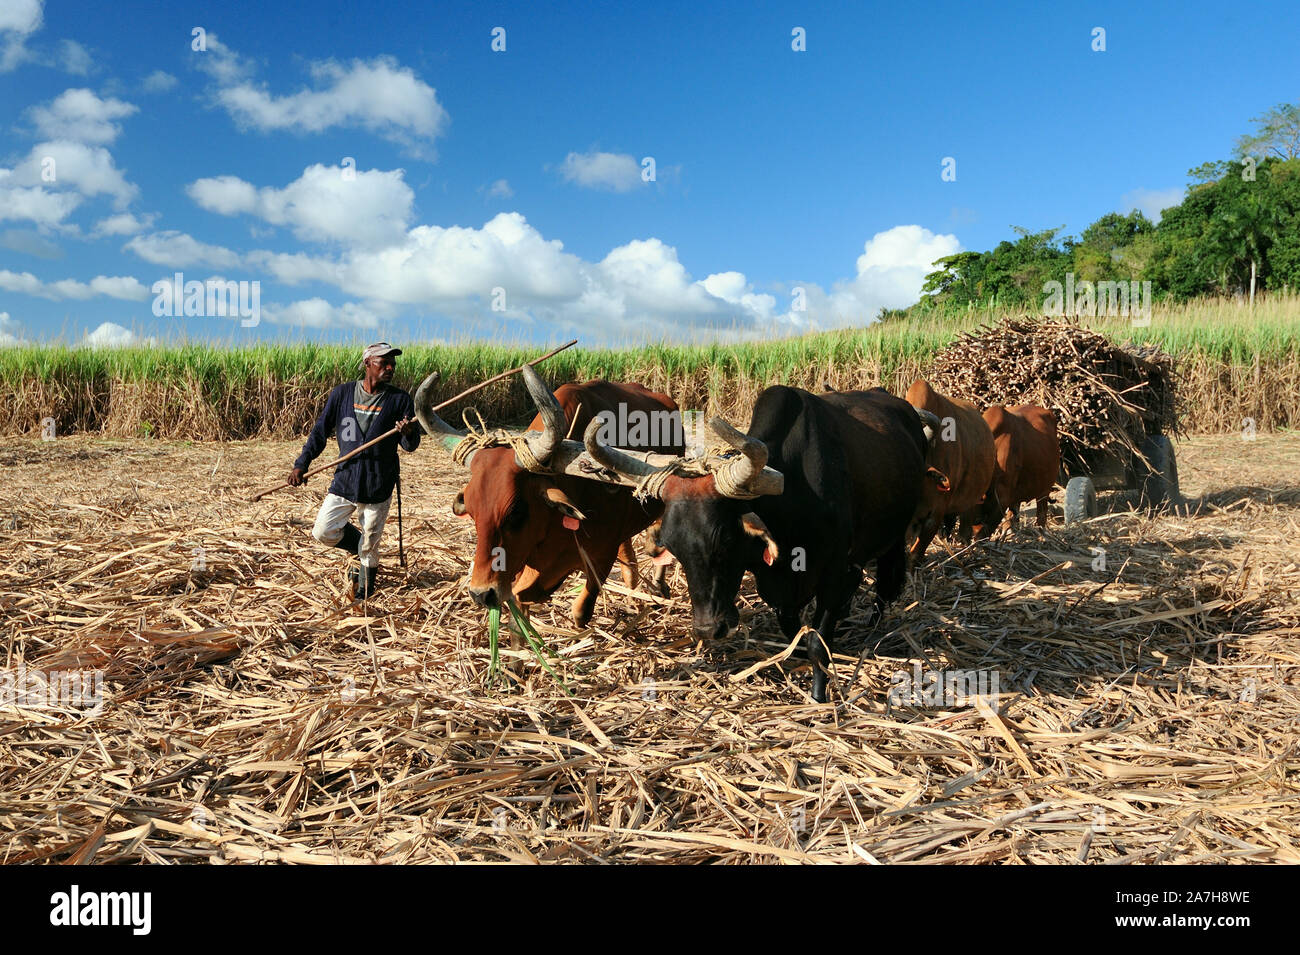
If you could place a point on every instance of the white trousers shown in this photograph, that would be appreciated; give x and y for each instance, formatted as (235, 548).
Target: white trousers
(335, 512)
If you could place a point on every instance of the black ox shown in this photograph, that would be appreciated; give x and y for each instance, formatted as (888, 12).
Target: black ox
(853, 465)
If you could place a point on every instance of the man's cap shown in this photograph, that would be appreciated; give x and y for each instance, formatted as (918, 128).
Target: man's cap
(378, 350)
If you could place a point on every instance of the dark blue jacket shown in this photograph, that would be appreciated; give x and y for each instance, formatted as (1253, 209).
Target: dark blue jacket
(369, 477)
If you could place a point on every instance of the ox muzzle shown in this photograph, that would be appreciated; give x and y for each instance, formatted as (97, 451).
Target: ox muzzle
(486, 596)
(707, 624)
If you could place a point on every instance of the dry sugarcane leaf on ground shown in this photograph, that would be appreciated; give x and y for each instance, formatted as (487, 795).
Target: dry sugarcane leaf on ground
(252, 714)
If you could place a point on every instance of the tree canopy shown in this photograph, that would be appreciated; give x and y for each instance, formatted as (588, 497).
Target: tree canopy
(1277, 134)
(1237, 216)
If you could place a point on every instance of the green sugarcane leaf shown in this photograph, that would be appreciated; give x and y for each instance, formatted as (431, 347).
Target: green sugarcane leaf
(494, 631)
(535, 643)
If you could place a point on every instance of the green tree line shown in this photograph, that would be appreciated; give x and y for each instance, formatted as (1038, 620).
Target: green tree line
(1237, 230)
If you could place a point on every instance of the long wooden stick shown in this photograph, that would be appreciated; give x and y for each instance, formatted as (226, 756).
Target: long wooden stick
(388, 434)
(332, 464)
(504, 374)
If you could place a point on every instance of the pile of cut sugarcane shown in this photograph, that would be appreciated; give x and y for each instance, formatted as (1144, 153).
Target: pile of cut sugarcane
(1107, 398)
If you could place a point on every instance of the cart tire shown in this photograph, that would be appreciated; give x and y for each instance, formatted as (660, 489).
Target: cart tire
(1080, 500)
(1160, 484)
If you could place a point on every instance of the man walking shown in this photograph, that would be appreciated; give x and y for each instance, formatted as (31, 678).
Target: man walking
(363, 485)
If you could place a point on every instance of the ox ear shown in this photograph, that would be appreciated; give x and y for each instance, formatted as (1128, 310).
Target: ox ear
(754, 527)
(560, 501)
(939, 478)
(458, 505)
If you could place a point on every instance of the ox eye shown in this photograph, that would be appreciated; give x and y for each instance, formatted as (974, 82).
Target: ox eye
(516, 516)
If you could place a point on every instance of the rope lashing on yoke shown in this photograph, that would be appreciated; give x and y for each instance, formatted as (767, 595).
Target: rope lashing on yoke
(652, 485)
(730, 487)
(484, 437)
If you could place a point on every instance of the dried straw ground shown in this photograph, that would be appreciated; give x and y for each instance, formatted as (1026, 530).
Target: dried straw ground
(1148, 713)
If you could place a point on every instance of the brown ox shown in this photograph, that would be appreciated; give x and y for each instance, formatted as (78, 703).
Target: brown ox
(1028, 456)
(961, 448)
(537, 527)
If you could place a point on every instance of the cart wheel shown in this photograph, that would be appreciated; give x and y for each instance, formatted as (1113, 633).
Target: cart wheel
(1160, 484)
(1080, 500)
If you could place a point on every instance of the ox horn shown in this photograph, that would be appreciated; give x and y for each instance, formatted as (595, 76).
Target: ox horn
(429, 419)
(542, 444)
(929, 423)
(612, 458)
(750, 464)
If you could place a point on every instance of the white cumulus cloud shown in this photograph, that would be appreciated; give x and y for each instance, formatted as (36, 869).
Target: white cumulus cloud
(45, 207)
(733, 287)
(318, 313)
(224, 195)
(294, 268)
(112, 335)
(649, 279)
(378, 95)
(19, 19)
(369, 208)
(80, 116)
(181, 250)
(453, 264)
(221, 62)
(11, 333)
(124, 223)
(178, 250)
(87, 170)
(124, 287)
(75, 58)
(890, 273)
(158, 81)
(639, 291)
(54, 178)
(613, 172)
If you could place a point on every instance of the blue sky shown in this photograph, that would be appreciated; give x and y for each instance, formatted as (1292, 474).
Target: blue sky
(517, 179)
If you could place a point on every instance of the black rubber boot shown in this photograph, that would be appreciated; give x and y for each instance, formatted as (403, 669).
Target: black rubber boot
(364, 581)
(350, 540)
(366, 578)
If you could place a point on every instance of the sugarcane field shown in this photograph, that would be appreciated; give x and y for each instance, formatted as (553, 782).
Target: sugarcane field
(1121, 688)
(575, 437)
